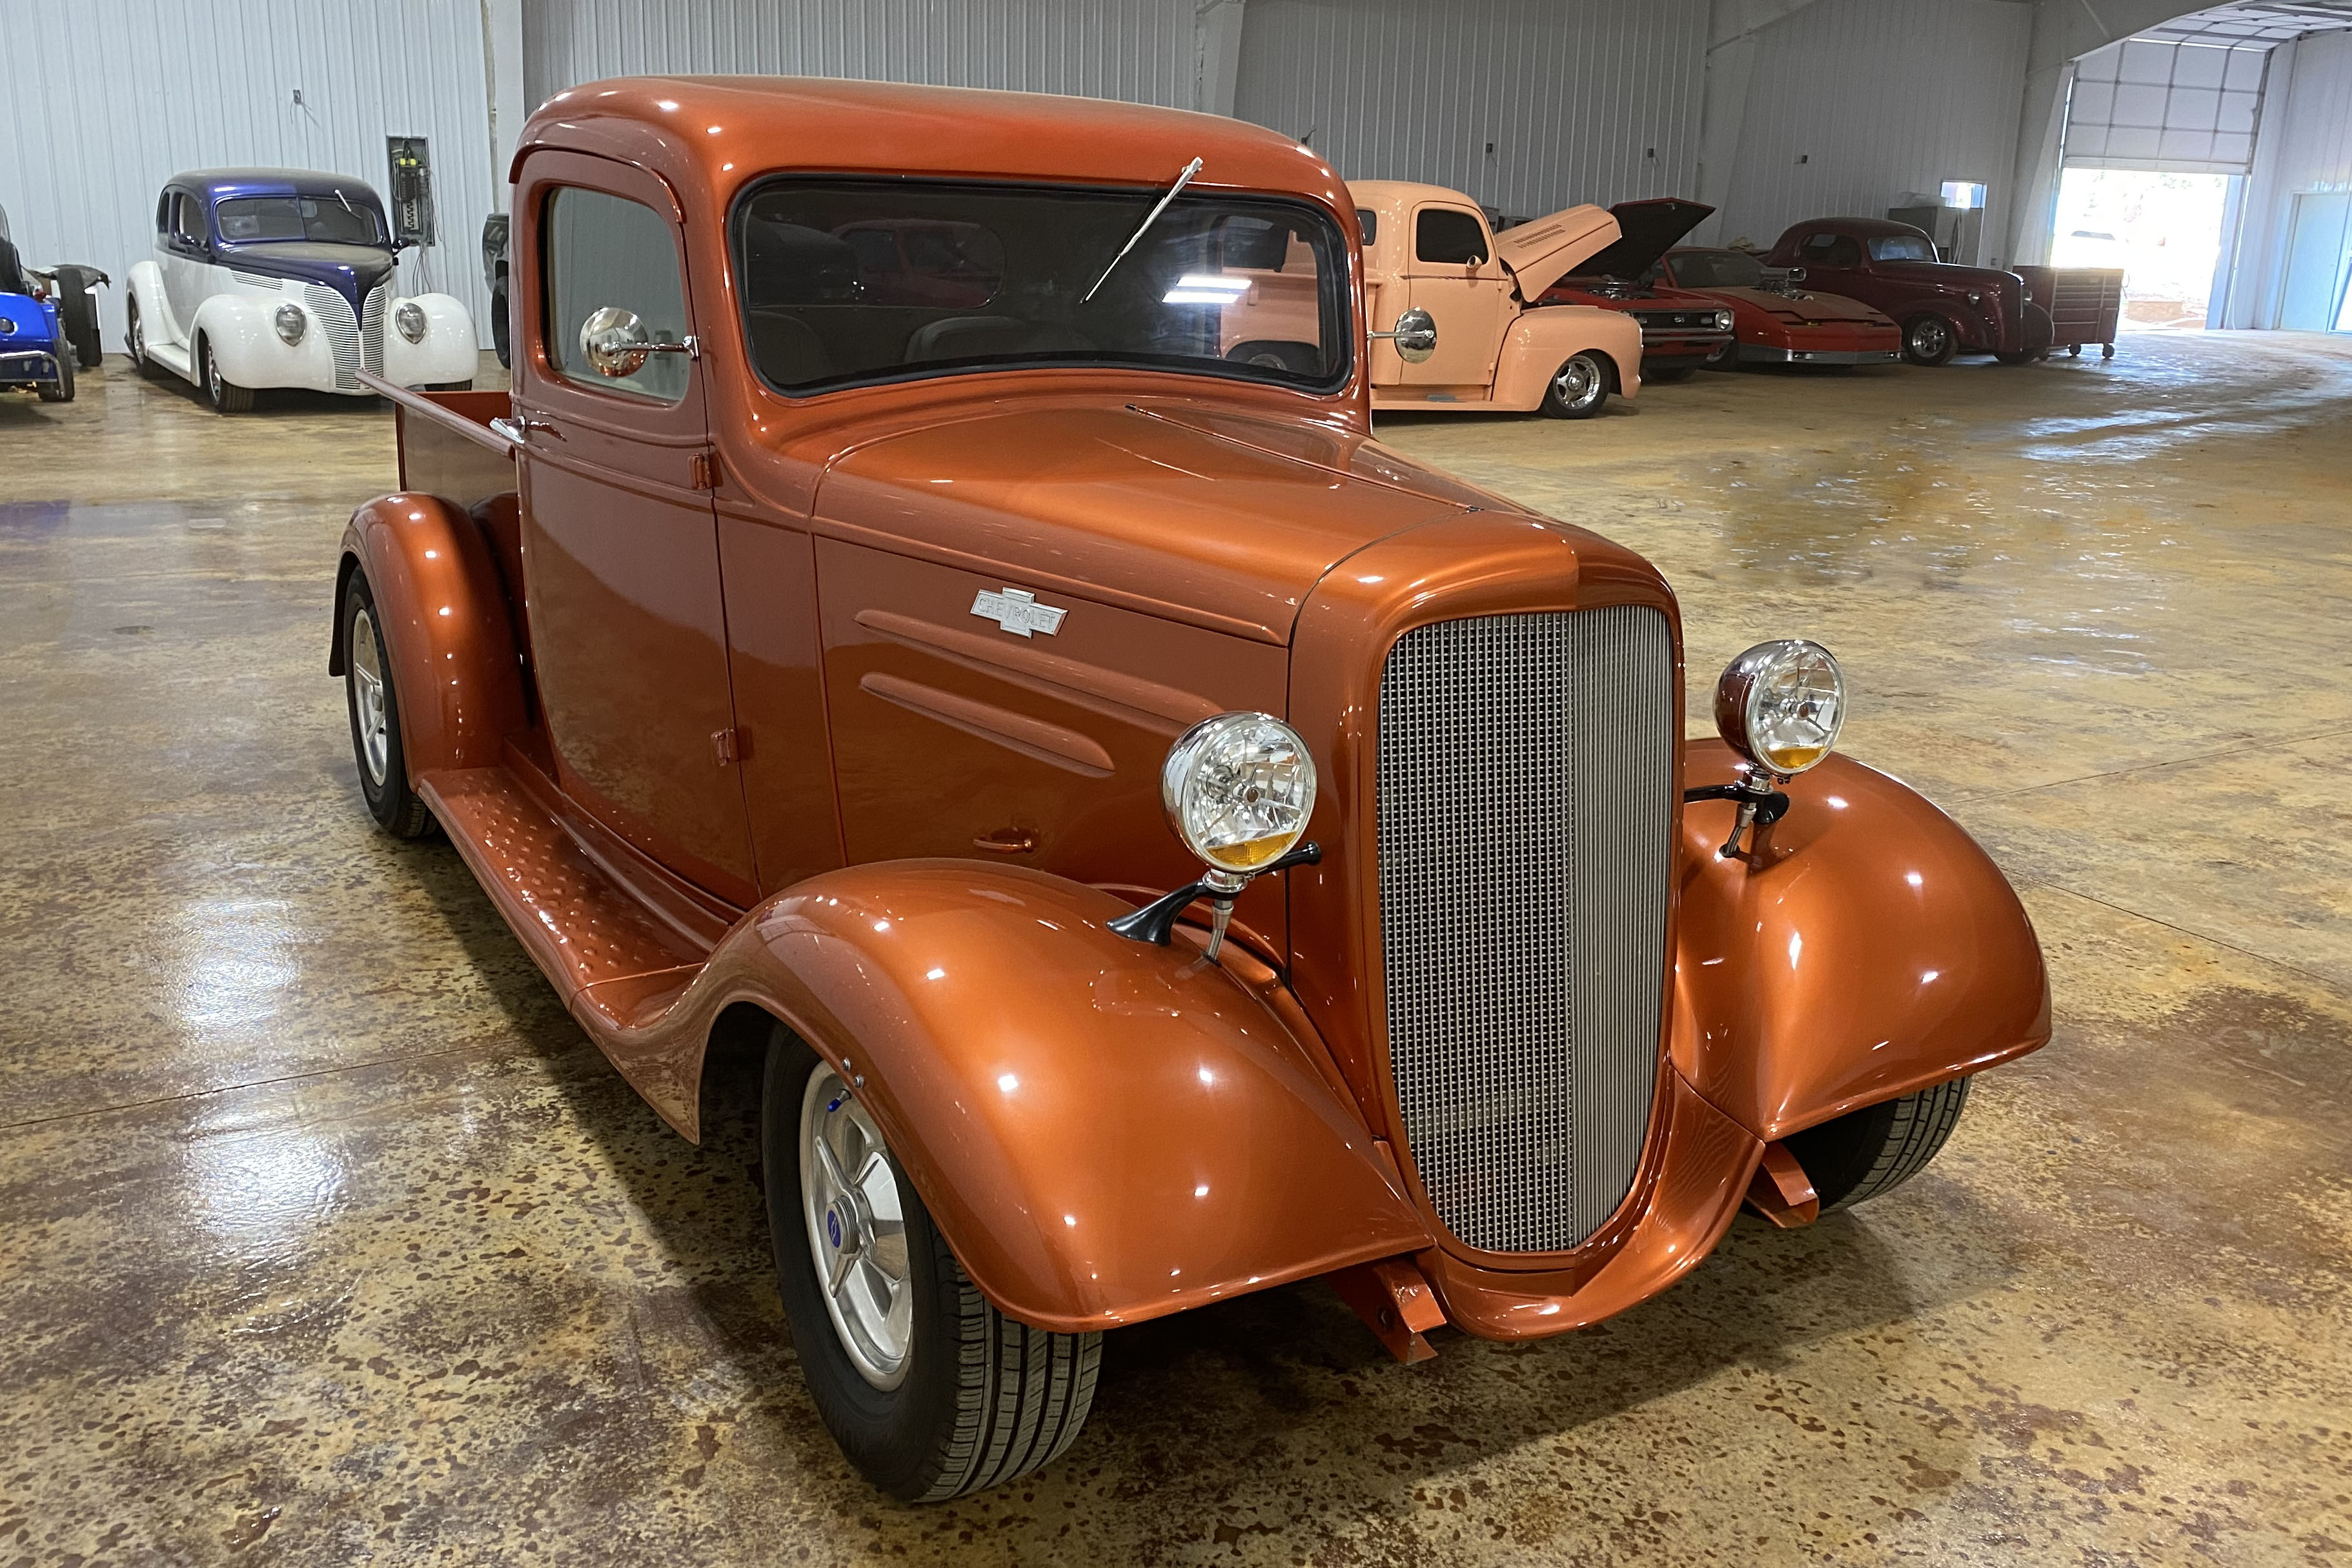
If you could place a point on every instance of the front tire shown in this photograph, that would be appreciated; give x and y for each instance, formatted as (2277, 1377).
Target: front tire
(1579, 389)
(373, 699)
(929, 1390)
(1930, 340)
(223, 397)
(62, 389)
(1878, 1148)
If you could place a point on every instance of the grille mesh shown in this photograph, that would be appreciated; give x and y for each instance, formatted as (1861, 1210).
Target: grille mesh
(372, 330)
(1526, 805)
(335, 314)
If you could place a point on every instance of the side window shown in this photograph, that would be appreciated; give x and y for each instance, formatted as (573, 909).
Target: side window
(1831, 250)
(1369, 220)
(164, 214)
(187, 219)
(603, 250)
(1443, 235)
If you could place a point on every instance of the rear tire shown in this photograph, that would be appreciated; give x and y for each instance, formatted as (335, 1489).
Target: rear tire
(78, 310)
(970, 1398)
(1580, 388)
(134, 340)
(1879, 1147)
(499, 328)
(372, 700)
(1930, 340)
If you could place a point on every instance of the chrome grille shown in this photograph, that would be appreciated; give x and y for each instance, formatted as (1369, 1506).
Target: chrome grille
(371, 329)
(1526, 809)
(335, 314)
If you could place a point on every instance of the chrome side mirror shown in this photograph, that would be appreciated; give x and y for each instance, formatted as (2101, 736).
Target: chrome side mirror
(617, 344)
(1415, 336)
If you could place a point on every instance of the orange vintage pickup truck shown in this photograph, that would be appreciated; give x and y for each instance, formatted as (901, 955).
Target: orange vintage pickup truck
(1170, 844)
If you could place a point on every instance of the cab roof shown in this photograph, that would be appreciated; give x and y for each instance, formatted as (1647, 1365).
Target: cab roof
(718, 133)
(217, 185)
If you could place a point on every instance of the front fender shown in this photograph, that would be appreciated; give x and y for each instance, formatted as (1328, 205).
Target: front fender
(1543, 338)
(1106, 1131)
(250, 353)
(1866, 949)
(443, 610)
(447, 351)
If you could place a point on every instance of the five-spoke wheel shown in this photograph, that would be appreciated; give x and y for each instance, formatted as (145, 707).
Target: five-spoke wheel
(1580, 388)
(856, 1229)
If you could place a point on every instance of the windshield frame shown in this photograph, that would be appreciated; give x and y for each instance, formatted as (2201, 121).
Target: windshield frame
(1337, 295)
(382, 240)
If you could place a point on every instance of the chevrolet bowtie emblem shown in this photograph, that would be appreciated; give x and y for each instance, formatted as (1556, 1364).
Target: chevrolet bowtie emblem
(1018, 611)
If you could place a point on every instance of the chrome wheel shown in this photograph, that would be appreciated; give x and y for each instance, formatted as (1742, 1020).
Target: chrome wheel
(1577, 383)
(366, 665)
(856, 1229)
(1931, 338)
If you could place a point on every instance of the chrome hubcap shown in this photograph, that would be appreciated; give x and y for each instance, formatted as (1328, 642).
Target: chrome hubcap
(1577, 381)
(366, 664)
(1928, 337)
(856, 1229)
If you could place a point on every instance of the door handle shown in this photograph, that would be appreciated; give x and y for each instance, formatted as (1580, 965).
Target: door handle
(515, 430)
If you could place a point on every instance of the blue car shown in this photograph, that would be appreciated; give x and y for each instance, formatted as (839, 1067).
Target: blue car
(34, 352)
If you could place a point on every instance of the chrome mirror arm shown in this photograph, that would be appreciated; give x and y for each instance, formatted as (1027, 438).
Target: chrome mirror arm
(1156, 921)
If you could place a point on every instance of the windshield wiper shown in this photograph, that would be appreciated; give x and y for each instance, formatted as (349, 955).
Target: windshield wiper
(1140, 229)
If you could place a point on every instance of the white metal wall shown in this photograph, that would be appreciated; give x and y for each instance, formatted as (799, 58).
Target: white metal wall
(2305, 147)
(1140, 50)
(1853, 103)
(128, 92)
(1593, 101)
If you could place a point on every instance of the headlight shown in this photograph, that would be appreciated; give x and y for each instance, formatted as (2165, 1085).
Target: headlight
(410, 319)
(1723, 320)
(1238, 789)
(1780, 705)
(291, 322)
(7, 328)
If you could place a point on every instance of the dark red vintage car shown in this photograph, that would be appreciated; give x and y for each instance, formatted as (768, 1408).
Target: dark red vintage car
(1680, 331)
(1777, 320)
(1944, 308)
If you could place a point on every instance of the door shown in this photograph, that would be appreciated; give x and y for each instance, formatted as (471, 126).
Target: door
(2313, 295)
(182, 260)
(1452, 273)
(1834, 265)
(620, 539)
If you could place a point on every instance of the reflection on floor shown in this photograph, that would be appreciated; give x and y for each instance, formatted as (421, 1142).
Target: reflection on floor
(324, 1237)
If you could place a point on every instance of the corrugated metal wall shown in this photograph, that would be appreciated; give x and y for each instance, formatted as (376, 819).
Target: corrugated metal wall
(1140, 50)
(1596, 102)
(116, 96)
(1854, 102)
(2306, 146)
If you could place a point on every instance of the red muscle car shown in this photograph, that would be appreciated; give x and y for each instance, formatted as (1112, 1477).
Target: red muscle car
(1778, 322)
(1680, 330)
(1944, 309)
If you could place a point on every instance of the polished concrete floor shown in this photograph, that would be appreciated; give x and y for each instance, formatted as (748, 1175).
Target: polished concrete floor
(326, 1239)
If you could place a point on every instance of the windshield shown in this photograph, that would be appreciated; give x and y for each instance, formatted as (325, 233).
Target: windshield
(1901, 247)
(1718, 269)
(847, 281)
(322, 218)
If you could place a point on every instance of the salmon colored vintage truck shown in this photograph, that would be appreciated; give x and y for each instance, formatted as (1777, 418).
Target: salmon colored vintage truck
(1167, 844)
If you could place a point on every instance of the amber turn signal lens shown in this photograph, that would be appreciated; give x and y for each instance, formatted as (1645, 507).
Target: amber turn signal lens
(1238, 789)
(1780, 705)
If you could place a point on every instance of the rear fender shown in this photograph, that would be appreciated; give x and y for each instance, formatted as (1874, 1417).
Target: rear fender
(1542, 339)
(1865, 949)
(443, 612)
(1106, 1131)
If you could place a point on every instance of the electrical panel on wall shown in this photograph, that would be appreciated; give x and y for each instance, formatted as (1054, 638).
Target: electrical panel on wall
(411, 190)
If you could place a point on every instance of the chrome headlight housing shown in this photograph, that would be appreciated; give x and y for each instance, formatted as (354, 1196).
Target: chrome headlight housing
(1780, 705)
(409, 317)
(1238, 789)
(290, 323)
(1723, 320)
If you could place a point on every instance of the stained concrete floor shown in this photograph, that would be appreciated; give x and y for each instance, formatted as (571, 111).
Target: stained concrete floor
(325, 1238)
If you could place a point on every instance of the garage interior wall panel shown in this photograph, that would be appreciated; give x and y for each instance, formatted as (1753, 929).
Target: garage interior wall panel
(1596, 102)
(1138, 50)
(1853, 103)
(2306, 149)
(130, 92)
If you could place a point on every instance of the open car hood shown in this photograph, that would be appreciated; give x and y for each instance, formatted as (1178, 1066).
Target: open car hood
(1650, 229)
(1542, 251)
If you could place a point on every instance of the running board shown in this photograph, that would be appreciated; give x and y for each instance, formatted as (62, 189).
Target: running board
(174, 359)
(619, 962)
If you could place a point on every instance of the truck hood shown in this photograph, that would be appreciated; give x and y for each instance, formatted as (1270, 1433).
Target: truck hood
(1541, 251)
(1650, 229)
(1220, 519)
